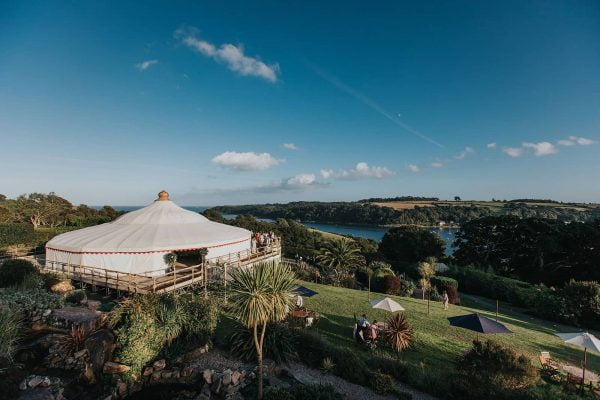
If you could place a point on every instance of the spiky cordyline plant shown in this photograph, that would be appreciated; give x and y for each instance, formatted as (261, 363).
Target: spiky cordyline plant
(259, 295)
(398, 333)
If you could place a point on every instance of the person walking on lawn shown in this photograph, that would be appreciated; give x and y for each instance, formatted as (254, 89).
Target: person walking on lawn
(445, 299)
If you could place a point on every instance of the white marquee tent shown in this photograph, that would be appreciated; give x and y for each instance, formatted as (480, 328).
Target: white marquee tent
(138, 241)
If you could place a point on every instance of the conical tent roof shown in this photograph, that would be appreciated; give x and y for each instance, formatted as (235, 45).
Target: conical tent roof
(160, 227)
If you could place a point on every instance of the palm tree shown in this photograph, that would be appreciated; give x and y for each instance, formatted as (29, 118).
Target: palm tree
(259, 295)
(339, 256)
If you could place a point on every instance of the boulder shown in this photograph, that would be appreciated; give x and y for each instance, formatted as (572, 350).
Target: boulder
(121, 389)
(100, 346)
(148, 371)
(159, 365)
(235, 377)
(111, 367)
(34, 381)
(226, 378)
(62, 287)
(68, 317)
(94, 304)
(207, 375)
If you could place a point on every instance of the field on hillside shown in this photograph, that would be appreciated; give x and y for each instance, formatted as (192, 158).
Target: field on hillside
(437, 344)
(409, 205)
(405, 205)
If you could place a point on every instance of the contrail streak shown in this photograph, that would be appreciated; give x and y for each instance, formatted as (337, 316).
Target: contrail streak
(368, 102)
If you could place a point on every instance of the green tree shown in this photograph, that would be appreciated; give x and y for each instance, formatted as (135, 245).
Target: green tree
(426, 272)
(260, 295)
(407, 245)
(340, 256)
(42, 209)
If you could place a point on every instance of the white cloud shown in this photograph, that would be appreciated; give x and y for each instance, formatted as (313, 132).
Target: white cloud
(513, 151)
(491, 145)
(413, 168)
(436, 164)
(231, 55)
(290, 146)
(144, 65)
(248, 161)
(541, 149)
(361, 170)
(582, 141)
(464, 153)
(302, 180)
(566, 142)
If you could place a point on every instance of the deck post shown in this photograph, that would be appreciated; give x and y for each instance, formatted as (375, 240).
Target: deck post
(153, 284)
(118, 290)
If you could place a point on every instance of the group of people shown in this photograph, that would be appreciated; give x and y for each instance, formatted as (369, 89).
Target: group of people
(261, 239)
(366, 332)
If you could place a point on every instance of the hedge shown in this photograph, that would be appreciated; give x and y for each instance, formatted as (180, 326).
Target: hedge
(442, 281)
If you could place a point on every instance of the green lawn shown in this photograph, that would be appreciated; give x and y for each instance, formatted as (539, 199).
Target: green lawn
(437, 343)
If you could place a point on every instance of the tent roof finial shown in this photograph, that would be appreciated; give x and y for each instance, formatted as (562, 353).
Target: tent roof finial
(163, 196)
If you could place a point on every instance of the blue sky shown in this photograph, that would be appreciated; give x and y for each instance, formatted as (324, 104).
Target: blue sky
(251, 102)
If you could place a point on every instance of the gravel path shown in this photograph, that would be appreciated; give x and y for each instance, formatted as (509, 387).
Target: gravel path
(350, 390)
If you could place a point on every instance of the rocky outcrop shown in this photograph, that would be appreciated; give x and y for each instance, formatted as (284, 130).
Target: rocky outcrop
(100, 346)
(38, 387)
(214, 384)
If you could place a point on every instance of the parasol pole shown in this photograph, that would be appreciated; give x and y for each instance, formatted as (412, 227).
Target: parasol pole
(584, 363)
(496, 310)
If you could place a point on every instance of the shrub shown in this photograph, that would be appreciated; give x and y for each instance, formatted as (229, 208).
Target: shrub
(490, 370)
(29, 301)
(145, 323)
(75, 296)
(382, 383)
(441, 282)
(453, 296)
(407, 288)
(279, 343)
(303, 392)
(582, 300)
(10, 327)
(391, 284)
(16, 234)
(13, 272)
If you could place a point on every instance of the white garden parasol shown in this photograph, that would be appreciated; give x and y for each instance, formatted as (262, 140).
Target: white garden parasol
(387, 304)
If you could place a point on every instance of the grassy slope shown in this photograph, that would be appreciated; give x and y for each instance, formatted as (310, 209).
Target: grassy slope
(436, 343)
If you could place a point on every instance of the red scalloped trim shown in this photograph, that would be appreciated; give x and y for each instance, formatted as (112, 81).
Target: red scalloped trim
(145, 252)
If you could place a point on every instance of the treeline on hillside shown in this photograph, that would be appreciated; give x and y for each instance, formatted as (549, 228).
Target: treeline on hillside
(51, 210)
(369, 214)
(535, 250)
(33, 219)
(399, 198)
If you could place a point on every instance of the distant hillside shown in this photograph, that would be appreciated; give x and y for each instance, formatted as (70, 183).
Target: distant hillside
(425, 213)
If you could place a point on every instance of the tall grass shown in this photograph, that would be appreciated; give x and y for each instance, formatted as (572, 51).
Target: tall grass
(10, 326)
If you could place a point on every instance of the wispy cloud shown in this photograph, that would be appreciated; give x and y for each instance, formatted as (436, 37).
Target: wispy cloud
(229, 54)
(576, 140)
(368, 102)
(290, 146)
(541, 149)
(144, 65)
(413, 168)
(247, 161)
(467, 150)
(361, 170)
(436, 164)
(491, 145)
(513, 151)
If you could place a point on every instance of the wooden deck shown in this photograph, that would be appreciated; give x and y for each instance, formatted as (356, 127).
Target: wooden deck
(160, 282)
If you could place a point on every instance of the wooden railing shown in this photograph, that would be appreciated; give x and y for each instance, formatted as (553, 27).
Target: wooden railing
(161, 281)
